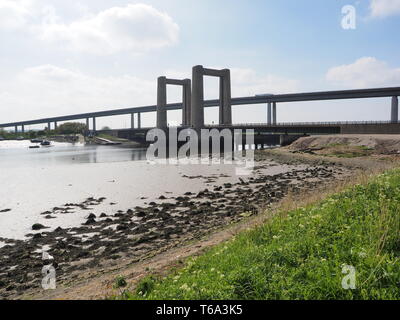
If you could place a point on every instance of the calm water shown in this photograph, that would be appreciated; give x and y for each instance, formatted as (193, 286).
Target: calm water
(17, 153)
(37, 180)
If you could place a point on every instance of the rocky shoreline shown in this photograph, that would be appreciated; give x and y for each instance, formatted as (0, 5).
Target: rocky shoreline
(141, 231)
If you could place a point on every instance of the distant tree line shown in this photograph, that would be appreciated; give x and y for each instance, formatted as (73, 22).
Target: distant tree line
(65, 128)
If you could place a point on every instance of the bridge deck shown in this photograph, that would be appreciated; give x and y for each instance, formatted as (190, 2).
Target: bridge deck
(293, 97)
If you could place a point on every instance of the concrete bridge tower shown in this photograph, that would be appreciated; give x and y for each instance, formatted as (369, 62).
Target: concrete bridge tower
(225, 107)
(162, 101)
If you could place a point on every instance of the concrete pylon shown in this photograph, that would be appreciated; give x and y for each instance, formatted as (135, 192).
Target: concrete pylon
(162, 103)
(197, 97)
(187, 102)
(132, 121)
(94, 124)
(269, 113)
(226, 97)
(395, 109)
(87, 123)
(274, 115)
(139, 120)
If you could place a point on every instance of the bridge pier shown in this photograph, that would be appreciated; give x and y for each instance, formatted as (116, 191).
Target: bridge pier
(395, 109)
(161, 103)
(55, 125)
(269, 114)
(132, 121)
(87, 123)
(139, 120)
(23, 129)
(16, 129)
(48, 126)
(94, 124)
(274, 113)
(187, 102)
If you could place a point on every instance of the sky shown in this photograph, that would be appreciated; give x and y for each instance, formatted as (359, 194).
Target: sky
(63, 57)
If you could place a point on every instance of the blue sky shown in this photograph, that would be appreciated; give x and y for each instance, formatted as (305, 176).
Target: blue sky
(64, 57)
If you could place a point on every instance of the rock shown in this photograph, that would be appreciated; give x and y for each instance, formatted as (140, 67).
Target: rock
(162, 197)
(91, 216)
(122, 227)
(140, 214)
(103, 215)
(130, 211)
(38, 226)
(90, 221)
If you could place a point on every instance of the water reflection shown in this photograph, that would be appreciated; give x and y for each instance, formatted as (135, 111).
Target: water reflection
(19, 154)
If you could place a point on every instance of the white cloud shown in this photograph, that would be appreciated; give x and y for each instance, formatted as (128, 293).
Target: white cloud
(48, 90)
(384, 8)
(136, 27)
(247, 82)
(14, 14)
(363, 73)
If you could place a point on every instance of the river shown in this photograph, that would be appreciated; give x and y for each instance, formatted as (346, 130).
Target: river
(37, 180)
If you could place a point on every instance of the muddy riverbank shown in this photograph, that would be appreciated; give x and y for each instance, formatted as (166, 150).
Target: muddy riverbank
(142, 231)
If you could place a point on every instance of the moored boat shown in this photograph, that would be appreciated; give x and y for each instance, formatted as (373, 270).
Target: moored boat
(45, 143)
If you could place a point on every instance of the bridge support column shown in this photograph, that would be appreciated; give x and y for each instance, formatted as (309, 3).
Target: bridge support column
(55, 125)
(139, 120)
(87, 123)
(94, 124)
(16, 129)
(187, 102)
(23, 129)
(49, 126)
(225, 96)
(198, 97)
(269, 113)
(395, 109)
(274, 113)
(162, 103)
(132, 121)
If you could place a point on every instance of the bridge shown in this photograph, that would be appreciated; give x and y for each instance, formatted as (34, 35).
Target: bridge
(193, 105)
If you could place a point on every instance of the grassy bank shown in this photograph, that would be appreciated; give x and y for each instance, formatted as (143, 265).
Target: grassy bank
(300, 254)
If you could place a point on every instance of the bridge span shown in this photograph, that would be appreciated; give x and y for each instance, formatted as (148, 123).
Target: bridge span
(193, 105)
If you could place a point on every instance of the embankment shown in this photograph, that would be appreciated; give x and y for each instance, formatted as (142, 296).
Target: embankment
(344, 247)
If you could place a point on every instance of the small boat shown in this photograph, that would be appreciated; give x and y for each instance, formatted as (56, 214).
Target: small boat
(45, 143)
(37, 140)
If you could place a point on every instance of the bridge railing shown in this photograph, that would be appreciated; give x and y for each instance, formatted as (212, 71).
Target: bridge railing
(286, 124)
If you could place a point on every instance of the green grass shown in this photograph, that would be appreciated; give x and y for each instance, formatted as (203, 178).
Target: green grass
(300, 254)
(345, 151)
